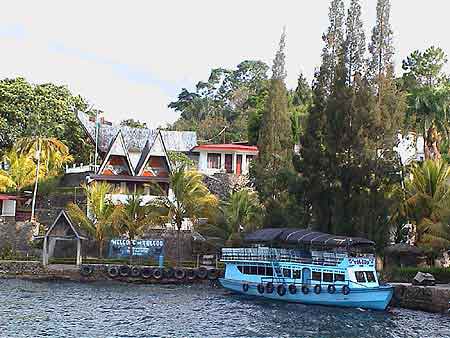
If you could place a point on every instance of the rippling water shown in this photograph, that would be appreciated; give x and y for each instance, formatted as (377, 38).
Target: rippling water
(64, 309)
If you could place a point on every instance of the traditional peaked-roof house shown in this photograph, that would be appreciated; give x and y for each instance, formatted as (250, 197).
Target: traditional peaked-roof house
(151, 168)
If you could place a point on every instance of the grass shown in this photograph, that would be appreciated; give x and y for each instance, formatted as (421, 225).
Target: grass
(406, 274)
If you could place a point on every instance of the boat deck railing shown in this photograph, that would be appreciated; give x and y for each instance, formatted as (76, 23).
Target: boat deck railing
(309, 282)
(282, 255)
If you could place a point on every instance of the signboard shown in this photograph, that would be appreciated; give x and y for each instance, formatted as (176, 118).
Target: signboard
(120, 248)
(361, 261)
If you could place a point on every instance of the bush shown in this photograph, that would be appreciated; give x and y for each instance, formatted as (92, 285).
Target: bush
(406, 274)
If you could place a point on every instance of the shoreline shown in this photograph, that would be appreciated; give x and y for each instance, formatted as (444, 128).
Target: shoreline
(434, 299)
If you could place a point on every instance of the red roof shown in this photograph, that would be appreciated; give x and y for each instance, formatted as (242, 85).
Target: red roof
(228, 146)
(9, 198)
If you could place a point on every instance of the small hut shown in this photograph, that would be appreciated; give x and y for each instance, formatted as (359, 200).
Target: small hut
(402, 254)
(62, 229)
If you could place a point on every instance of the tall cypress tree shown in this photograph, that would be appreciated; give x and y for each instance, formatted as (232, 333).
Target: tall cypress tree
(333, 39)
(275, 137)
(355, 42)
(381, 47)
(275, 142)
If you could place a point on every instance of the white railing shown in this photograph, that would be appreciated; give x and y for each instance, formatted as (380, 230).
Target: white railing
(282, 255)
(81, 168)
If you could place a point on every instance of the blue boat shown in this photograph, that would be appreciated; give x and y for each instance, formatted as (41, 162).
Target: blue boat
(307, 267)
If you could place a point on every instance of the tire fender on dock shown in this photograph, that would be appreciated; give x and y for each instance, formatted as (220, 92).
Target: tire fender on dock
(124, 271)
(157, 274)
(86, 270)
(317, 289)
(146, 272)
(113, 271)
(292, 289)
(135, 271)
(202, 273)
(179, 273)
(269, 287)
(281, 290)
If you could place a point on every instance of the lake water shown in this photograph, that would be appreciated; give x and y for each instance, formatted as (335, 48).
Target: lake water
(65, 309)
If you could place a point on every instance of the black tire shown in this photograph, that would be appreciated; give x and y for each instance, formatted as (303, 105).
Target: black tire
(345, 290)
(245, 287)
(305, 289)
(113, 271)
(269, 287)
(190, 274)
(169, 273)
(317, 289)
(124, 271)
(146, 272)
(135, 271)
(86, 270)
(260, 288)
(331, 289)
(292, 289)
(202, 273)
(179, 273)
(157, 274)
(213, 274)
(281, 290)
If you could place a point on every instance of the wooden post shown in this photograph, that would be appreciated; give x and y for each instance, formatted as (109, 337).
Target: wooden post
(44, 252)
(78, 251)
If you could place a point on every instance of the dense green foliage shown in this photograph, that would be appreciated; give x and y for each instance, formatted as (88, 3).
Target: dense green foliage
(44, 110)
(407, 274)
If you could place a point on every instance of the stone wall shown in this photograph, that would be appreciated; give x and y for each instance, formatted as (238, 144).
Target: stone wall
(11, 268)
(425, 298)
(16, 236)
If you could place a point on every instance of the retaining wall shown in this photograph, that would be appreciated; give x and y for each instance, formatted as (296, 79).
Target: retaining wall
(425, 298)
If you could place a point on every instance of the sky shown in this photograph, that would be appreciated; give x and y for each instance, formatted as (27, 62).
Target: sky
(132, 58)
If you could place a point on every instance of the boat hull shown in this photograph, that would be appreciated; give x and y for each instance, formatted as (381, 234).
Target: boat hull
(376, 298)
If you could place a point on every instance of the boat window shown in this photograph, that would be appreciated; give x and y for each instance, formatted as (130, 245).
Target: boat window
(339, 277)
(370, 277)
(246, 269)
(317, 275)
(296, 274)
(328, 277)
(261, 270)
(360, 277)
(269, 271)
(253, 270)
(240, 268)
(287, 273)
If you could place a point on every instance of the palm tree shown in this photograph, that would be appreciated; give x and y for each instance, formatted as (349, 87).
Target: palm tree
(191, 199)
(242, 213)
(134, 219)
(428, 201)
(48, 150)
(19, 174)
(101, 215)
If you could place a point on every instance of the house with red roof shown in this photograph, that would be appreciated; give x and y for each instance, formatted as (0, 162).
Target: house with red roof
(231, 158)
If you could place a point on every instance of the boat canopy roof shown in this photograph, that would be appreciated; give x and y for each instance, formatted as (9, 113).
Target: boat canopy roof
(306, 237)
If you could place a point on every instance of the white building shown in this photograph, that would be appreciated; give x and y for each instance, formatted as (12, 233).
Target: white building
(226, 158)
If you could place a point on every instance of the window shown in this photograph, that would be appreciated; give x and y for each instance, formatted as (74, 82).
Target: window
(370, 277)
(328, 277)
(269, 271)
(296, 274)
(246, 269)
(287, 273)
(360, 277)
(229, 163)
(253, 270)
(213, 161)
(339, 277)
(261, 270)
(317, 275)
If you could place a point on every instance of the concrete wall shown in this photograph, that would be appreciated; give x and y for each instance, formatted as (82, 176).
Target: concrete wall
(424, 298)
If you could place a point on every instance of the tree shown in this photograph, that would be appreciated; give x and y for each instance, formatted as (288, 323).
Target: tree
(381, 47)
(355, 42)
(101, 214)
(224, 98)
(191, 199)
(332, 50)
(428, 98)
(20, 172)
(46, 110)
(133, 219)
(242, 213)
(132, 123)
(428, 198)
